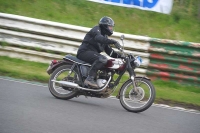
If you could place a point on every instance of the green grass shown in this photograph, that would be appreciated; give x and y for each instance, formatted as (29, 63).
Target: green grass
(182, 24)
(176, 92)
(18, 68)
(34, 71)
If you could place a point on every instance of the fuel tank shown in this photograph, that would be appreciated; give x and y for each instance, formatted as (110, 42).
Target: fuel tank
(117, 63)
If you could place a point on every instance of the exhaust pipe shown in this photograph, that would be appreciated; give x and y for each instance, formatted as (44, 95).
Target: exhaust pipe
(76, 86)
(67, 84)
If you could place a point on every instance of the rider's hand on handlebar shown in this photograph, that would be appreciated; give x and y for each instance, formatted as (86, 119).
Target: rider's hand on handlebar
(117, 45)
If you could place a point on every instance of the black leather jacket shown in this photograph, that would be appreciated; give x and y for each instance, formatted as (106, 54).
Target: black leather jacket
(96, 40)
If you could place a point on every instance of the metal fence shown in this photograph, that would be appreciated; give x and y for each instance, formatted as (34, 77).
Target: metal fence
(174, 60)
(165, 59)
(20, 32)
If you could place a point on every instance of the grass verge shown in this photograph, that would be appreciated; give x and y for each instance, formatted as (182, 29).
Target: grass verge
(169, 93)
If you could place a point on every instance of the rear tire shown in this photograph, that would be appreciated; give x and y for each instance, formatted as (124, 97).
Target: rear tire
(60, 91)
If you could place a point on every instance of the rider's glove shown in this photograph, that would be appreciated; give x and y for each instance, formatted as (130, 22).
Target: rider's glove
(117, 45)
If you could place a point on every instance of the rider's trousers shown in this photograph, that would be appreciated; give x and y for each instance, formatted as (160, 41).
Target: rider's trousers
(97, 60)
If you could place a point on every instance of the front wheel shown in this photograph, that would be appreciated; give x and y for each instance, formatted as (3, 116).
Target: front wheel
(140, 101)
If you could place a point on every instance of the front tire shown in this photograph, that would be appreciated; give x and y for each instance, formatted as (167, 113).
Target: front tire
(58, 90)
(137, 102)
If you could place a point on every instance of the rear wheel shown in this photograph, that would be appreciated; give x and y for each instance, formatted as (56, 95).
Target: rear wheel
(62, 74)
(140, 101)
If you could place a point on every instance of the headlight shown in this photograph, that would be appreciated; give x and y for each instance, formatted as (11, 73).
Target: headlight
(137, 61)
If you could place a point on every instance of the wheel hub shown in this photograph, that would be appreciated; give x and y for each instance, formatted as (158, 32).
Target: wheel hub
(137, 96)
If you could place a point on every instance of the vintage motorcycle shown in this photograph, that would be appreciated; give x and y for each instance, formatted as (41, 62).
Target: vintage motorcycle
(67, 81)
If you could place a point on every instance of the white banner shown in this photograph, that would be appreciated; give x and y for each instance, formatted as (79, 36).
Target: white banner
(162, 6)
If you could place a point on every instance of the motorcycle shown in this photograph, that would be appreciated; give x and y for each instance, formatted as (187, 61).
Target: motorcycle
(67, 81)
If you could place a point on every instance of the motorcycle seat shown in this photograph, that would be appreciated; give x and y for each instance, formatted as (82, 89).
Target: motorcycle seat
(76, 60)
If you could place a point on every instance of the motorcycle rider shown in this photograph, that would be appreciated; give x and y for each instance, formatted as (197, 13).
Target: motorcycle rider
(95, 42)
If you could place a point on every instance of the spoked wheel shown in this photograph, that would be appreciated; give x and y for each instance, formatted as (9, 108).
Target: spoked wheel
(62, 74)
(139, 101)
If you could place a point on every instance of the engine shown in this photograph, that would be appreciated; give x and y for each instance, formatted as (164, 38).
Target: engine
(102, 78)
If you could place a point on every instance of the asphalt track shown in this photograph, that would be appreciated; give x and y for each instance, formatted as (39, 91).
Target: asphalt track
(27, 107)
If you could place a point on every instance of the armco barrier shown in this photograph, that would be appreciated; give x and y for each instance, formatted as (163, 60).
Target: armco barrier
(174, 60)
(22, 31)
(165, 59)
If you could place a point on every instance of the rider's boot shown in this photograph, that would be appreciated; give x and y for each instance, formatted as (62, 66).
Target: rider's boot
(90, 81)
(93, 71)
(90, 78)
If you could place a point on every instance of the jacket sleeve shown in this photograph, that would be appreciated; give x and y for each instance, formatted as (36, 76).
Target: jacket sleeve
(100, 38)
(109, 51)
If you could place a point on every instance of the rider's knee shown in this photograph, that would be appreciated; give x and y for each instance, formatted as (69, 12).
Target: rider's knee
(103, 59)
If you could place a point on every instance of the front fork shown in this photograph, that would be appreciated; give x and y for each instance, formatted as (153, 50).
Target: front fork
(132, 77)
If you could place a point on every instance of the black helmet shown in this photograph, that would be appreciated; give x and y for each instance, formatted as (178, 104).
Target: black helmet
(106, 22)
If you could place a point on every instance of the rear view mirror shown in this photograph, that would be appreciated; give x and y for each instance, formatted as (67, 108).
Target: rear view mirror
(122, 37)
